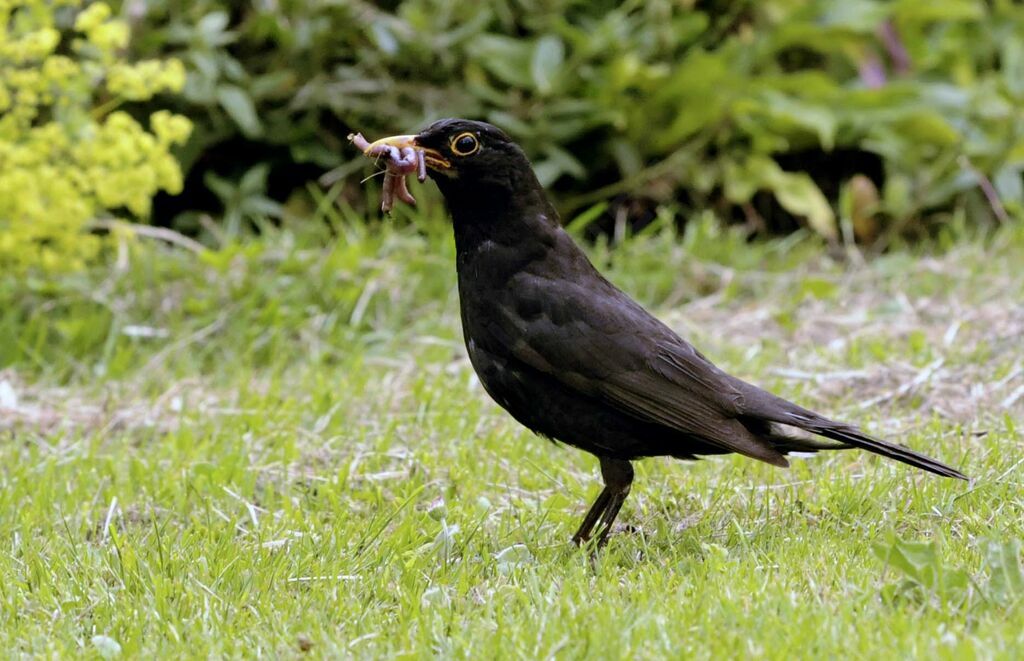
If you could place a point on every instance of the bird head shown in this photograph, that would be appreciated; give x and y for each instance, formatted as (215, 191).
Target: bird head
(465, 154)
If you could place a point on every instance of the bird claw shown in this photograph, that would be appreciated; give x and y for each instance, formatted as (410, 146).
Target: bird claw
(617, 529)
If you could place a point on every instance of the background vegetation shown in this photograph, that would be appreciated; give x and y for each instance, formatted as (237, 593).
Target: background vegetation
(771, 112)
(69, 157)
(863, 118)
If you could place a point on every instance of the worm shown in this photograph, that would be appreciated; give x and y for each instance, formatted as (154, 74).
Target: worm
(394, 156)
(387, 197)
(407, 159)
(421, 166)
(358, 141)
(398, 163)
(403, 191)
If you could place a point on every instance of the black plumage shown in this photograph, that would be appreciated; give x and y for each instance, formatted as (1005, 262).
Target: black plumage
(573, 358)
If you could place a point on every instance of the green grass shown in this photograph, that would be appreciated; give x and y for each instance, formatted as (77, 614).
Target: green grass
(300, 457)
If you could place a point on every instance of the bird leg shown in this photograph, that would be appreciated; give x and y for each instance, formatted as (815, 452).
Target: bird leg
(618, 476)
(596, 510)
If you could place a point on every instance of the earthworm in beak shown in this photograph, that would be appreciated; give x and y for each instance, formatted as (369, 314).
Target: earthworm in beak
(399, 161)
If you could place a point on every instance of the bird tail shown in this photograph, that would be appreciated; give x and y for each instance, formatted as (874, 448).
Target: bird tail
(852, 436)
(766, 407)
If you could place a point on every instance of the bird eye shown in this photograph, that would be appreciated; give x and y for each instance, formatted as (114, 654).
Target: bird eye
(465, 144)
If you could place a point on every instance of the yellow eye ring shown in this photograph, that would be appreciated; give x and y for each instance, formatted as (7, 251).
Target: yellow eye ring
(465, 144)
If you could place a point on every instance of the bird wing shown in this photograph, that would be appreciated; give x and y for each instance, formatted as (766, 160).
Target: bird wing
(596, 340)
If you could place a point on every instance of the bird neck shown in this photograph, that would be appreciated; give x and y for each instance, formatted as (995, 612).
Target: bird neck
(500, 214)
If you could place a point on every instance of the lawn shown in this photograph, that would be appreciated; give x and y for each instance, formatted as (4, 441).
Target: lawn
(279, 447)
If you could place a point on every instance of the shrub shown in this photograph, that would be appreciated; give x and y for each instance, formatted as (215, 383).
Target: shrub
(68, 155)
(758, 109)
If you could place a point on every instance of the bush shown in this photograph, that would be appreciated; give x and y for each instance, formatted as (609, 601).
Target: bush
(67, 154)
(758, 109)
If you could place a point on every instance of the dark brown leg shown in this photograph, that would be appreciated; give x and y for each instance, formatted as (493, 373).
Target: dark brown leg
(608, 519)
(618, 476)
(582, 535)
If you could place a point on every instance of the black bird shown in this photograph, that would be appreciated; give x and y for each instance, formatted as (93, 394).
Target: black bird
(573, 358)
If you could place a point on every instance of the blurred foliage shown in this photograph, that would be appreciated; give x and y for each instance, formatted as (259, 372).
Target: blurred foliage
(928, 577)
(761, 110)
(68, 156)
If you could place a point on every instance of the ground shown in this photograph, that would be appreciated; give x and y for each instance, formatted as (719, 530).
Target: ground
(280, 448)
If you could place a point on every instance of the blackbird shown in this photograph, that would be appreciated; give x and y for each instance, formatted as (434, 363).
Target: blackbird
(576, 360)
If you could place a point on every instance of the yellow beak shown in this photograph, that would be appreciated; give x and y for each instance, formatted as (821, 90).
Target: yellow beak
(433, 157)
(397, 141)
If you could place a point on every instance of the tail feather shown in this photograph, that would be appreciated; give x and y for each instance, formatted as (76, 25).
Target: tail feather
(853, 436)
(763, 406)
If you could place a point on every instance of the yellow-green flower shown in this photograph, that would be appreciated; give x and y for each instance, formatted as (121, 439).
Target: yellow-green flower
(92, 17)
(67, 155)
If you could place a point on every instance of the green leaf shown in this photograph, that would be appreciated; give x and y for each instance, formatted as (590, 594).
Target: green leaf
(383, 37)
(784, 111)
(511, 123)
(740, 182)
(221, 187)
(927, 126)
(1006, 577)
(239, 106)
(548, 55)
(896, 195)
(262, 206)
(275, 83)
(557, 163)
(254, 181)
(627, 157)
(916, 560)
(799, 195)
(947, 10)
(855, 15)
(212, 25)
(1012, 59)
(584, 218)
(697, 95)
(796, 192)
(1009, 184)
(505, 58)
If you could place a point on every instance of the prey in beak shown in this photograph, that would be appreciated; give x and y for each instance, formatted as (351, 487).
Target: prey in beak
(408, 148)
(403, 156)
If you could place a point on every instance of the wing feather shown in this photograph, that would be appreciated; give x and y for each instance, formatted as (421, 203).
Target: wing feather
(606, 346)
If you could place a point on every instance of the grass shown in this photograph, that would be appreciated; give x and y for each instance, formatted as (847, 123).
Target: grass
(279, 448)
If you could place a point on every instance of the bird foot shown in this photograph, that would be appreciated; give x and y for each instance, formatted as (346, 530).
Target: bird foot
(617, 529)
